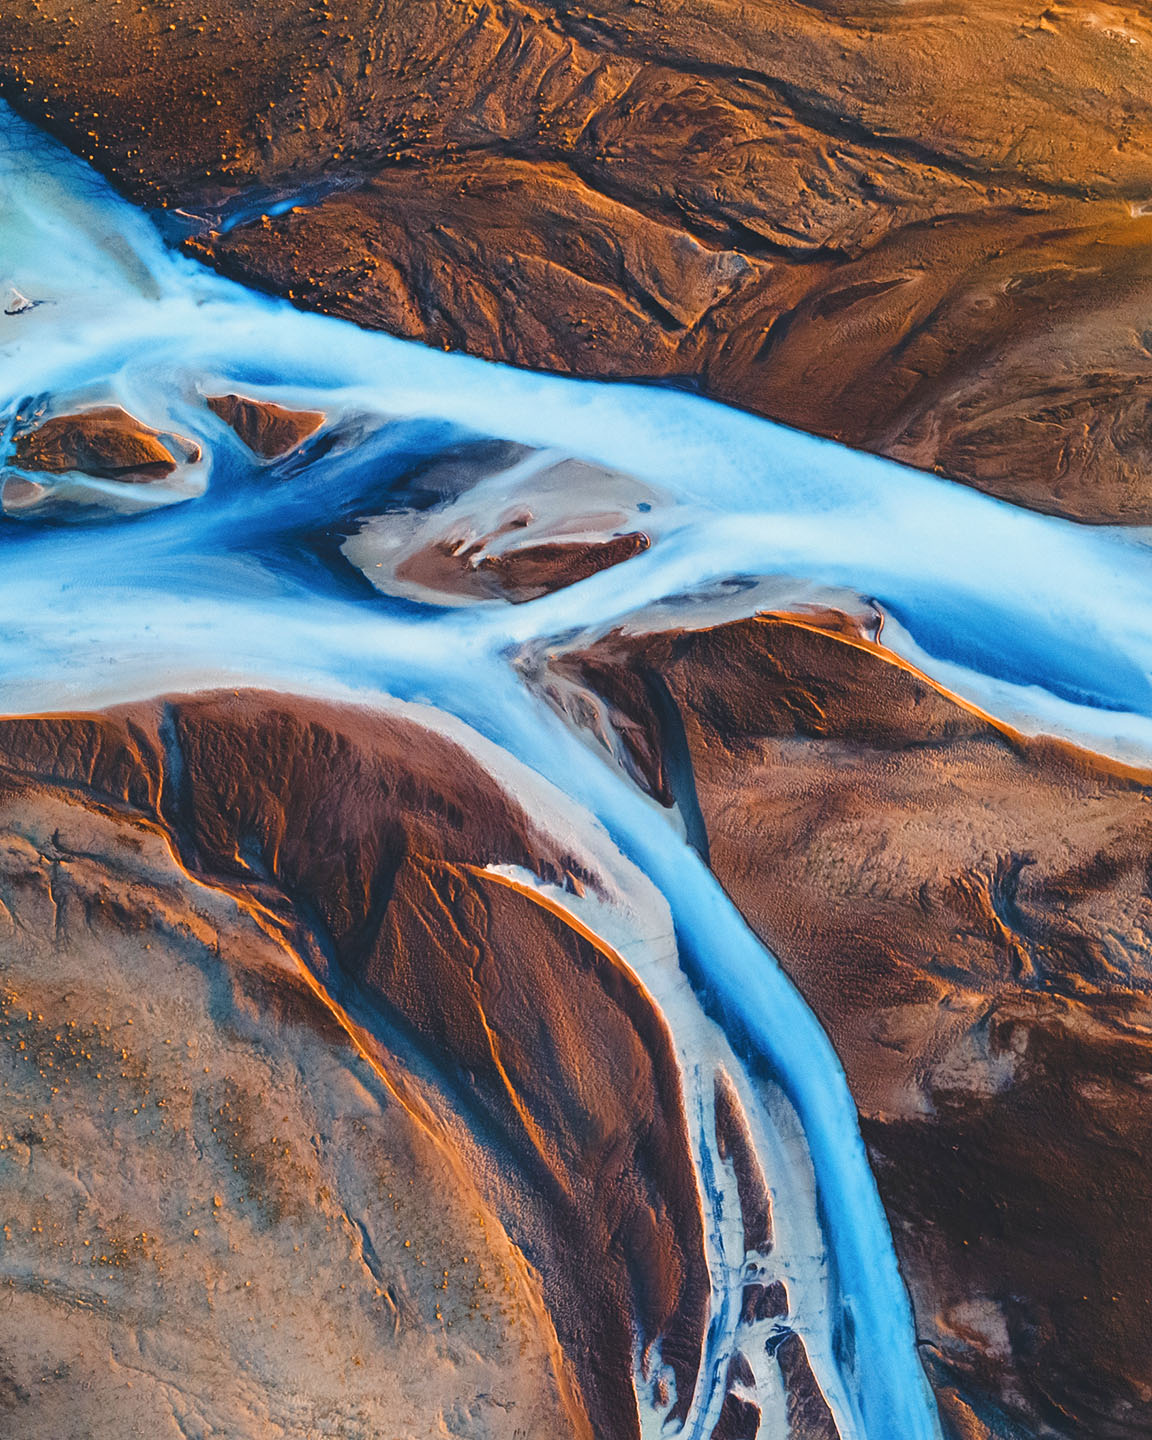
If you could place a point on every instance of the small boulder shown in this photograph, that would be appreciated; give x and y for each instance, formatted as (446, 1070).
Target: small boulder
(268, 430)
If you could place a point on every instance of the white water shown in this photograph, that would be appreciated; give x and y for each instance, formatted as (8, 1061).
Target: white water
(1042, 622)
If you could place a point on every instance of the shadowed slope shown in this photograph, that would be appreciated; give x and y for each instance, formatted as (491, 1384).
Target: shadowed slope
(356, 838)
(968, 912)
(222, 1214)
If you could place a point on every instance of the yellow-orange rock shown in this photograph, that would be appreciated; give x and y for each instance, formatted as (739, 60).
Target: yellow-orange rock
(106, 443)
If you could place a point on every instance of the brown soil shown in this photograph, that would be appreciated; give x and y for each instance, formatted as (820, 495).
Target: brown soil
(359, 842)
(968, 913)
(268, 430)
(107, 443)
(919, 229)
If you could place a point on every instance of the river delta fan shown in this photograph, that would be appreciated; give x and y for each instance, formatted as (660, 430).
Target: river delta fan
(544, 908)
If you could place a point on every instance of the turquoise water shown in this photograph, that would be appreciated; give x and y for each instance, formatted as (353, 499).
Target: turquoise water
(238, 575)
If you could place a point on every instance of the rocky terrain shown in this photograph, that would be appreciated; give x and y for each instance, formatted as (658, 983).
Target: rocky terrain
(921, 229)
(96, 461)
(268, 430)
(968, 911)
(106, 443)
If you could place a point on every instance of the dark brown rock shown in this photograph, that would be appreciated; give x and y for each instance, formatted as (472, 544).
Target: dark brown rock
(734, 1143)
(764, 1302)
(268, 430)
(739, 1419)
(809, 1417)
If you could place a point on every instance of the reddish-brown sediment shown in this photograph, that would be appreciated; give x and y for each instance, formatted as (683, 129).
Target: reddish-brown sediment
(530, 571)
(968, 913)
(922, 231)
(519, 574)
(809, 1417)
(223, 1212)
(106, 443)
(361, 839)
(268, 430)
(734, 1143)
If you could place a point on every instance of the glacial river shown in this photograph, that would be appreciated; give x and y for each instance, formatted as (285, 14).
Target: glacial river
(238, 581)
